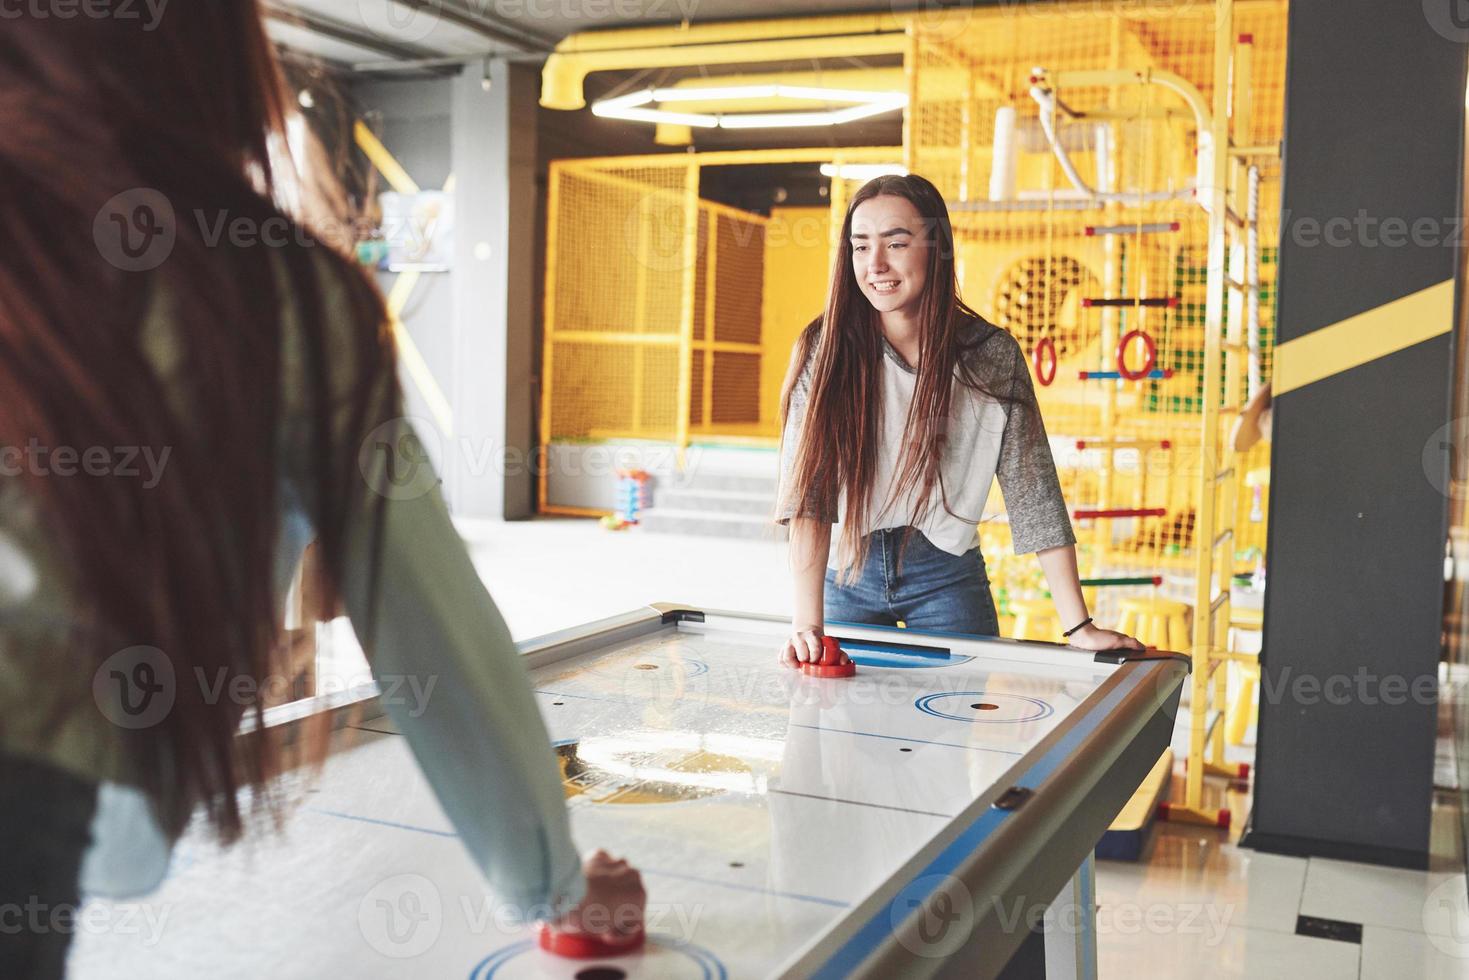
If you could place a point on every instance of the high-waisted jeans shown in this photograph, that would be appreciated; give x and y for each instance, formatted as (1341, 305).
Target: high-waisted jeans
(934, 590)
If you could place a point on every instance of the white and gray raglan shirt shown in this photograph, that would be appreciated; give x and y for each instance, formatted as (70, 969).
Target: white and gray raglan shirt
(986, 440)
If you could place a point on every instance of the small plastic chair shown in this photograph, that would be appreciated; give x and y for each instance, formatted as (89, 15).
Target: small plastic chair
(1035, 619)
(1161, 623)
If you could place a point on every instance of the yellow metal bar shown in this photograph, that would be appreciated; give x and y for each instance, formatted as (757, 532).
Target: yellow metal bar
(966, 139)
(1242, 110)
(686, 309)
(640, 314)
(618, 337)
(706, 401)
(910, 71)
(1125, 444)
(718, 158)
(411, 358)
(1209, 404)
(1263, 150)
(735, 30)
(548, 343)
(378, 154)
(565, 510)
(1112, 285)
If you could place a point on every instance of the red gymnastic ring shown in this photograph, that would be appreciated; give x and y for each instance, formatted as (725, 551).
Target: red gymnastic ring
(1044, 356)
(1148, 361)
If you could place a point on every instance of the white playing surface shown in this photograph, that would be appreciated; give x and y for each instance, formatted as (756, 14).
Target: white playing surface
(760, 806)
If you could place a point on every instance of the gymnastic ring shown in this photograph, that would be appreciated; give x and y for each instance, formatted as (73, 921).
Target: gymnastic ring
(1047, 345)
(1148, 362)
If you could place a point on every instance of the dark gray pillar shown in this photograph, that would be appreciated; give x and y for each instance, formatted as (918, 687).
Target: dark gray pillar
(1374, 113)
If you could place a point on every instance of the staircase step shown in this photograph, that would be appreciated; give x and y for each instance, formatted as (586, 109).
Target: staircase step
(662, 520)
(734, 482)
(717, 501)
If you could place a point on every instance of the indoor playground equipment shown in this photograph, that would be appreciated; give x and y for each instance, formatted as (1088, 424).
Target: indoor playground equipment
(1111, 170)
(1110, 178)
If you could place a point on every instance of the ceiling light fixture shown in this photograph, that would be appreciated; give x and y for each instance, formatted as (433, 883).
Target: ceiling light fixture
(862, 104)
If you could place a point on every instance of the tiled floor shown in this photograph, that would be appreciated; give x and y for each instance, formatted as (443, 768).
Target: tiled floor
(1196, 906)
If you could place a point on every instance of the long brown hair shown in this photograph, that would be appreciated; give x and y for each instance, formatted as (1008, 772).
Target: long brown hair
(838, 445)
(189, 110)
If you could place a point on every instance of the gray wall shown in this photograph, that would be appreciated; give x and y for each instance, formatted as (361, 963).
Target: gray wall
(474, 325)
(1374, 110)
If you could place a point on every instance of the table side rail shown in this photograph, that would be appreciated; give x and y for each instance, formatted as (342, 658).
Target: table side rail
(1064, 769)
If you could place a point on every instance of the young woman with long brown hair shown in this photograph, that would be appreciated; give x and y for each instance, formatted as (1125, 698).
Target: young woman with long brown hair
(264, 378)
(901, 407)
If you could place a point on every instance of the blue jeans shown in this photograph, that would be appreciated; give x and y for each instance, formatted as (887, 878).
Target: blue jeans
(935, 590)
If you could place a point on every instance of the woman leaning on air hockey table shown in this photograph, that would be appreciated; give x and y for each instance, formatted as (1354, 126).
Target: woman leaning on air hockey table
(901, 407)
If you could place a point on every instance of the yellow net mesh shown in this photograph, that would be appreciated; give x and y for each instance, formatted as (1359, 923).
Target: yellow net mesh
(614, 296)
(1074, 255)
(633, 255)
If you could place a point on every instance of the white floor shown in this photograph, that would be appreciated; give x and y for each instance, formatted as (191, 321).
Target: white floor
(1198, 905)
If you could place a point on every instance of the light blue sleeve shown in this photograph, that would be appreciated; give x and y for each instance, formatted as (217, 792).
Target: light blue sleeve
(472, 722)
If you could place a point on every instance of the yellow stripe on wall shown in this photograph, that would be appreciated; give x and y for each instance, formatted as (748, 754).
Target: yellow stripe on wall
(1365, 337)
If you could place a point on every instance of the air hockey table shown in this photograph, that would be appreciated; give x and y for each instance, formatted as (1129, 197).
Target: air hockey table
(934, 815)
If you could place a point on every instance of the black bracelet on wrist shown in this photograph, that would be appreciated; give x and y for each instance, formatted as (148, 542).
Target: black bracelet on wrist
(1084, 622)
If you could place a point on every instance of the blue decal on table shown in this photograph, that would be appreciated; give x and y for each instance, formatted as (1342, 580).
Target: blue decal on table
(879, 657)
(974, 706)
